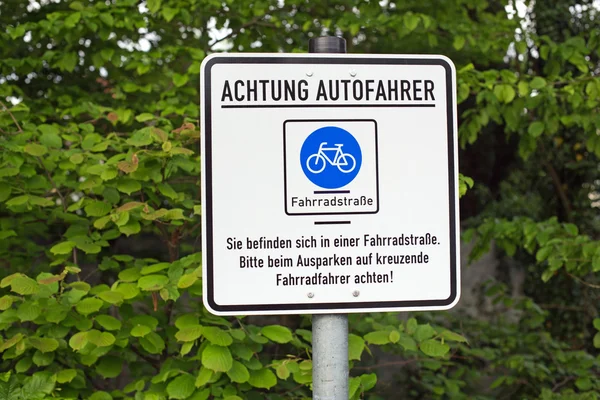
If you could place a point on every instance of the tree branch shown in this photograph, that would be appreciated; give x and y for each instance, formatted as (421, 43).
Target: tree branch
(578, 279)
(562, 195)
(12, 116)
(254, 21)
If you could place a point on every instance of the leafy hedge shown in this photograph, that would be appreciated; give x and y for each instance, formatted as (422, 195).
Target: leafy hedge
(100, 279)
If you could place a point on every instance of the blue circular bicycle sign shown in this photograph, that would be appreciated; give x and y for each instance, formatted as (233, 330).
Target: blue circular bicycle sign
(330, 157)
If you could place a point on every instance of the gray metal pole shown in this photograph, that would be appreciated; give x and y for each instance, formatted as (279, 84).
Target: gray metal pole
(330, 331)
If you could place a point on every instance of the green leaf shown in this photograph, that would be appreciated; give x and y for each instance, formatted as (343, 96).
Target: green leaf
(132, 205)
(277, 333)
(217, 336)
(28, 311)
(128, 186)
(62, 248)
(536, 128)
(5, 191)
(434, 348)
(23, 365)
(72, 19)
(97, 208)
(537, 83)
(166, 190)
(186, 348)
(583, 383)
(169, 13)
(180, 80)
(454, 337)
(238, 373)
(68, 61)
(152, 282)
(24, 285)
(141, 138)
(186, 320)
(109, 173)
(411, 21)
(181, 387)
(130, 275)
(423, 332)
(100, 339)
(45, 345)
(100, 395)
(187, 280)
(282, 371)
(89, 306)
(100, 223)
(204, 376)
(140, 331)
(110, 367)
(11, 342)
(78, 340)
(394, 336)
(132, 227)
(51, 140)
(6, 302)
(407, 343)
(152, 343)
(76, 158)
(543, 253)
(18, 201)
(7, 234)
(189, 333)
(368, 381)
(35, 149)
(182, 150)
(217, 358)
(459, 42)
(4, 172)
(143, 117)
(153, 5)
(7, 280)
(505, 93)
(353, 386)
(356, 345)
(150, 269)
(66, 375)
(107, 19)
(111, 297)
(597, 340)
(523, 88)
(378, 337)
(263, 378)
(108, 322)
(128, 290)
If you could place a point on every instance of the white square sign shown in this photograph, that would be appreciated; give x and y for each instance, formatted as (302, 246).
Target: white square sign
(329, 183)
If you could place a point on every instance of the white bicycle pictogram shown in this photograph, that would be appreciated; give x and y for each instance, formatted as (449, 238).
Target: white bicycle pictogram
(345, 162)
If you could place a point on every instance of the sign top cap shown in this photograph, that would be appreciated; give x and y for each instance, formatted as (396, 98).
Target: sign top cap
(327, 44)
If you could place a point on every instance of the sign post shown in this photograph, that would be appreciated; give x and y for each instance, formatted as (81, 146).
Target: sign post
(330, 331)
(330, 186)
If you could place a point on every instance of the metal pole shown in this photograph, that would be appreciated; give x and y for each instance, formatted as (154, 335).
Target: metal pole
(330, 331)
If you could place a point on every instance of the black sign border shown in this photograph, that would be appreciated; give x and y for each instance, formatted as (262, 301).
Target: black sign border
(341, 307)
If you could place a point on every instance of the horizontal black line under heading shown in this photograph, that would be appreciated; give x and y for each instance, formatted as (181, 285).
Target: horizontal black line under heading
(324, 105)
(332, 222)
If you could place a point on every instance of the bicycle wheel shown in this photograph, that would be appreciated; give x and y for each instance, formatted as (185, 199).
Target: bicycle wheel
(349, 163)
(316, 163)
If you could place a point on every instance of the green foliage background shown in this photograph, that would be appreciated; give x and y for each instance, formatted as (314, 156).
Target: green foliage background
(100, 202)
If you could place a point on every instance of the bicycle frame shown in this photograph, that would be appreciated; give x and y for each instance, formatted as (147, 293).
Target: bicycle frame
(337, 149)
